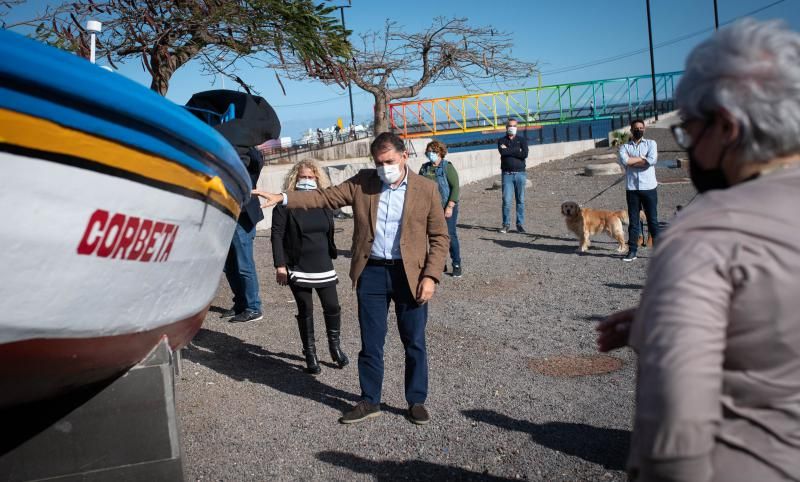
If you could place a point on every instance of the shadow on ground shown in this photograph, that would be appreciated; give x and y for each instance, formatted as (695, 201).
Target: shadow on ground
(625, 286)
(549, 248)
(492, 229)
(595, 317)
(496, 229)
(603, 446)
(236, 359)
(388, 470)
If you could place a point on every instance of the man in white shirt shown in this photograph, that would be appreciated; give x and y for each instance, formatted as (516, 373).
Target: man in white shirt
(638, 157)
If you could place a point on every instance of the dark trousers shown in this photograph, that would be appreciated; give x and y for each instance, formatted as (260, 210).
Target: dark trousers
(638, 200)
(305, 304)
(240, 269)
(377, 286)
(455, 247)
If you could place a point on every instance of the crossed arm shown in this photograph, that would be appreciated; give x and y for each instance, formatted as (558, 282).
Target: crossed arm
(648, 160)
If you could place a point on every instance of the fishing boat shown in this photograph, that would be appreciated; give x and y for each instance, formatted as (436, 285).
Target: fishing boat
(117, 210)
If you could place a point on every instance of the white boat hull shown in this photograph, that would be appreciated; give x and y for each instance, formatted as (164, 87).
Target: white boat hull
(77, 303)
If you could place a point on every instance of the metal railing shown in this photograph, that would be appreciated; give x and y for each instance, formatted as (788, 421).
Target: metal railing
(276, 154)
(575, 130)
(535, 106)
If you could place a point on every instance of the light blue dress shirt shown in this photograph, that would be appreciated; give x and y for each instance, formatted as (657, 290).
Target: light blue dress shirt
(390, 215)
(640, 178)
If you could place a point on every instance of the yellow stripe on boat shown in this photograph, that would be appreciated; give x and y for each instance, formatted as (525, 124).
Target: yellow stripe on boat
(43, 135)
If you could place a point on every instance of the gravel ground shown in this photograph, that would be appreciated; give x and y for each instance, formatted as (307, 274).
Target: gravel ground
(249, 412)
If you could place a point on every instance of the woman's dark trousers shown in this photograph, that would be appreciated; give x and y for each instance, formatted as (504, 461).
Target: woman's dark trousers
(331, 311)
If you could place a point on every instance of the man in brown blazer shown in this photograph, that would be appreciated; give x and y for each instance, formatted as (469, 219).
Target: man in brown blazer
(400, 245)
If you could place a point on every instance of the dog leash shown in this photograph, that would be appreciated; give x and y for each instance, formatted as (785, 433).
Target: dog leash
(620, 179)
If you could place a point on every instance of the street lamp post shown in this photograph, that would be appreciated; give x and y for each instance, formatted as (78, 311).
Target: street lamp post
(94, 27)
(716, 16)
(652, 61)
(349, 84)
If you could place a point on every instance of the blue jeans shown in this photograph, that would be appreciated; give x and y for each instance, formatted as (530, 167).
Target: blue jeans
(637, 200)
(514, 187)
(455, 248)
(377, 286)
(240, 270)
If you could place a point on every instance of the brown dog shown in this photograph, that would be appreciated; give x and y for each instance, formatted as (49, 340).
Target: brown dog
(586, 222)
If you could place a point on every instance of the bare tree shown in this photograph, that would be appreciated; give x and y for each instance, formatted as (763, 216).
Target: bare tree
(5, 8)
(449, 49)
(167, 34)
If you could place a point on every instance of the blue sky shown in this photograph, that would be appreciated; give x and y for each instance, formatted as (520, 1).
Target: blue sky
(569, 39)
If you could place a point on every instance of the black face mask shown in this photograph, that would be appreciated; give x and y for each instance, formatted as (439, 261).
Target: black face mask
(707, 179)
(637, 134)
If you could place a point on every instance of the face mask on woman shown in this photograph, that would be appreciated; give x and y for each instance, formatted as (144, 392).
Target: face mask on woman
(432, 156)
(707, 179)
(389, 174)
(306, 185)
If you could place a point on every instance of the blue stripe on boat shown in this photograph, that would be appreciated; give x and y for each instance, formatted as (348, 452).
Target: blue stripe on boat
(55, 85)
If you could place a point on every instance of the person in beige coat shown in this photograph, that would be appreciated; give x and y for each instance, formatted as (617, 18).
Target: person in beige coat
(400, 245)
(717, 329)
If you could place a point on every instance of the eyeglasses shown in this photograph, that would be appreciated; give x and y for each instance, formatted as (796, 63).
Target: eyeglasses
(682, 136)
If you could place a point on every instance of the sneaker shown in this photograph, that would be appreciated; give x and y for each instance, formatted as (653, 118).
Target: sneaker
(504, 229)
(418, 415)
(228, 314)
(629, 257)
(520, 229)
(247, 315)
(362, 411)
(456, 271)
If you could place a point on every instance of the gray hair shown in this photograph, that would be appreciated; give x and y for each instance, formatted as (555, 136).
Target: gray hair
(751, 70)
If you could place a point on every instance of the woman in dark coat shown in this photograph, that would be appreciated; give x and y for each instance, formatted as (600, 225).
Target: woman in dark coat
(303, 251)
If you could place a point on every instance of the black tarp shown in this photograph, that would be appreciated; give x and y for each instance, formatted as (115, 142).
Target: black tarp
(256, 121)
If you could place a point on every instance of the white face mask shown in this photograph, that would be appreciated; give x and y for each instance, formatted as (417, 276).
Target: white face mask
(390, 173)
(433, 157)
(306, 185)
(511, 130)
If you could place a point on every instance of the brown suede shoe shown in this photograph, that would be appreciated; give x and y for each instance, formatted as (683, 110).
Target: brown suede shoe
(362, 411)
(418, 415)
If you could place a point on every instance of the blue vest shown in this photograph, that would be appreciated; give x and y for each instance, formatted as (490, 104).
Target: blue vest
(441, 179)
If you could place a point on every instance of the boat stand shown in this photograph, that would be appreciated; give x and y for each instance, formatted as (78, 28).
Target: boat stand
(123, 430)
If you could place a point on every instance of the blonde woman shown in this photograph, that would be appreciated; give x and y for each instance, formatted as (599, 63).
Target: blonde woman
(303, 251)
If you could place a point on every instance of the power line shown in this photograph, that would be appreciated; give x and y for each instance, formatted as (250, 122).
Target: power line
(321, 101)
(631, 53)
(588, 64)
(658, 45)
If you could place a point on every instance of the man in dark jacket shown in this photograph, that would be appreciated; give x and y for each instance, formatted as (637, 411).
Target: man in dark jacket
(513, 152)
(240, 266)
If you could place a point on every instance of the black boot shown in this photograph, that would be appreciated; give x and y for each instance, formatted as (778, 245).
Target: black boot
(306, 326)
(333, 324)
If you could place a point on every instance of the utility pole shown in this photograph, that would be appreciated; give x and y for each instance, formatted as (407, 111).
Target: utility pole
(652, 61)
(349, 84)
(716, 16)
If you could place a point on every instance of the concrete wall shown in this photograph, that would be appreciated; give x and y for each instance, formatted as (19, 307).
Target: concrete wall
(472, 166)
